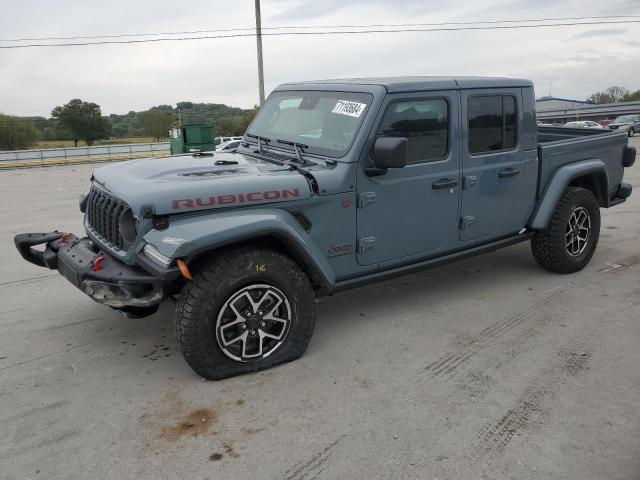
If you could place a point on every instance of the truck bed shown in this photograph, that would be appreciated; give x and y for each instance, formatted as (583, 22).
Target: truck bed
(558, 146)
(553, 134)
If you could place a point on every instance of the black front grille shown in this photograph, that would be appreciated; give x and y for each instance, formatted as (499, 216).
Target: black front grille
(103, 217)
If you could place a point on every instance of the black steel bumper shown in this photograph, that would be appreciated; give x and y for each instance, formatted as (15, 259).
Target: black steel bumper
(101, 276)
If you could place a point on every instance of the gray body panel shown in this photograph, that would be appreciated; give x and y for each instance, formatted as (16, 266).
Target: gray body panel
(192, 235)
(495, 206)
(606, 146)
(159, 182)
(355, 226)
(402, 208)
(558, 183)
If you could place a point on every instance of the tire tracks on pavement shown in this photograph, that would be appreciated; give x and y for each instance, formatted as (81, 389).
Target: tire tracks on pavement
(448, 365)
(529, 411)
(312, 468)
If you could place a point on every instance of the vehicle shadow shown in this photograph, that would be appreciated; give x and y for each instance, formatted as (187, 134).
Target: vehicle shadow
(354, 310)
(445, 285)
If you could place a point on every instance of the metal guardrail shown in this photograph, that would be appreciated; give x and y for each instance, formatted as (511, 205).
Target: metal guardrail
(611, 110)
(55, 156)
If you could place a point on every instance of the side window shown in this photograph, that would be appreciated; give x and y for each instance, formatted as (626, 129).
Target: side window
(492, 123)
(424, 122)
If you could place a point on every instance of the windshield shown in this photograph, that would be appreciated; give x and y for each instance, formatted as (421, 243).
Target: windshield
(327, 122)
(624, 119)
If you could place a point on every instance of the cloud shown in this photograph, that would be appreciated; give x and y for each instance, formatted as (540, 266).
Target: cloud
(135, 77)
(600, 32)
(307, 10)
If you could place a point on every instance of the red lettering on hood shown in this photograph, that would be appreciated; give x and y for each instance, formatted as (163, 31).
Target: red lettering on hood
(231, 199)
(186, 203)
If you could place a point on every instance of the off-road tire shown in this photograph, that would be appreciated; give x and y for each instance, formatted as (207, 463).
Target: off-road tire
(214, 282)
(549, 246)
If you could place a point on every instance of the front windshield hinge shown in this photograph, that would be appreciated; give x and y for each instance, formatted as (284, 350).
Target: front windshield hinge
(260, 139)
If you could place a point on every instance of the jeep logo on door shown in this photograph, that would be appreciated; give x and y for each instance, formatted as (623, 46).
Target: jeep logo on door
(235, 199)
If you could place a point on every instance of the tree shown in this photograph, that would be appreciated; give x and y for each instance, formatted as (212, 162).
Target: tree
(228, 126)
(156, 122)
(610, 95)
(236, 124)
(83, 121)
(632, 97)
(16, 133)
(247, 117)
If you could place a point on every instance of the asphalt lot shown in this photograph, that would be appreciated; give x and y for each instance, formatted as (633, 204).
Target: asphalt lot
(488, 368)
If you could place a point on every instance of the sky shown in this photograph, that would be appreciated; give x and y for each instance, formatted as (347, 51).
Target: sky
(568, 62)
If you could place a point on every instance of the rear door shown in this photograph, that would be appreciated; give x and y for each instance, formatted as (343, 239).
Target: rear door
(497, 195)
(412, 210)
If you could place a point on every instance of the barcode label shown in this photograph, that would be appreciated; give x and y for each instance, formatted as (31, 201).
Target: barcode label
(353, 109)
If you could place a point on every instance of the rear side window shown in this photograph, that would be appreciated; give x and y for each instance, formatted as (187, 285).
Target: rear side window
(425, 123)
(492, 123)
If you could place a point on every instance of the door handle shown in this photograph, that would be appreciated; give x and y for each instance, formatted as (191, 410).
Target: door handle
(444, 183)
(508, 172)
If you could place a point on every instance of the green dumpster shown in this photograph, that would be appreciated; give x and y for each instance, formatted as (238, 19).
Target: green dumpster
(191, 138)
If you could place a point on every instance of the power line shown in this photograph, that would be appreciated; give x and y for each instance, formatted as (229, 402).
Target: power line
(331, 32)
(303, 27)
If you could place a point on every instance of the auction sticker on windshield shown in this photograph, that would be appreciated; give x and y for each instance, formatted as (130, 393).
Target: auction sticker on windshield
(345, 107)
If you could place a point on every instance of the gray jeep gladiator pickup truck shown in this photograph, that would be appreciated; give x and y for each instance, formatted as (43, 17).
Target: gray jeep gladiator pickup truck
(336, 184)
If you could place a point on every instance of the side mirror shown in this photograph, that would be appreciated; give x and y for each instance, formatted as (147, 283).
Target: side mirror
(389, 152)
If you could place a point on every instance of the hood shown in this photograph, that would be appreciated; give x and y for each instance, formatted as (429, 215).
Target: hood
(186, 183)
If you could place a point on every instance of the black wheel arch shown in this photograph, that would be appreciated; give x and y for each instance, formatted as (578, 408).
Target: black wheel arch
(596, 183)
(276, 241)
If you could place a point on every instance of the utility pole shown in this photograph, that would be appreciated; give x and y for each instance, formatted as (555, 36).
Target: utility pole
(259, 41)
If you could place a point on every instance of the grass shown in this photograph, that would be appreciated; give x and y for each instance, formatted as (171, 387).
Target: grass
(111, 141)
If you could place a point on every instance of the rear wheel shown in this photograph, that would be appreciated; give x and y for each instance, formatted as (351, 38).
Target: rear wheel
(246, 309)
(570, 239)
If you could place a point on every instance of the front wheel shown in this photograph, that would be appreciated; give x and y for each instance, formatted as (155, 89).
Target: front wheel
(570, 239)
(245, 309)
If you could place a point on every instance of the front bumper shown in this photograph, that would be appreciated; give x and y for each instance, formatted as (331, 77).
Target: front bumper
(107, 281)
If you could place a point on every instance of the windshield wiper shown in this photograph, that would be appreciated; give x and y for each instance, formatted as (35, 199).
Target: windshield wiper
(297, 147)
(264, 153)
(260, 139)
(313, 184)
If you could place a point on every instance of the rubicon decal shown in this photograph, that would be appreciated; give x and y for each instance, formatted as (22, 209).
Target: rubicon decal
(235, 199)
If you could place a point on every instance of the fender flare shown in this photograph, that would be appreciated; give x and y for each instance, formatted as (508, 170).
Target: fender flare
(188, 237)
(557, 185)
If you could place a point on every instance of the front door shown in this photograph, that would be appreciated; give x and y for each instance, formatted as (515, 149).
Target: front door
(496, 199)
(412, 210)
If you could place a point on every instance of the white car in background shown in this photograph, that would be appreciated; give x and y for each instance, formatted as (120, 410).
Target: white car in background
(230, 147)
(220, 142)
(584, 124)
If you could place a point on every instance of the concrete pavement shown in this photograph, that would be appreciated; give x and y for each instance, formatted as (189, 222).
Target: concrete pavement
(488, 368)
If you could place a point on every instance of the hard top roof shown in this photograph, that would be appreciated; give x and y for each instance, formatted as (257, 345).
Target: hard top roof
(412, 84)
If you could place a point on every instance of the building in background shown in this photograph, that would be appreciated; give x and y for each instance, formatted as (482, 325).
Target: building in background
(563, 110)
(553, 103)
